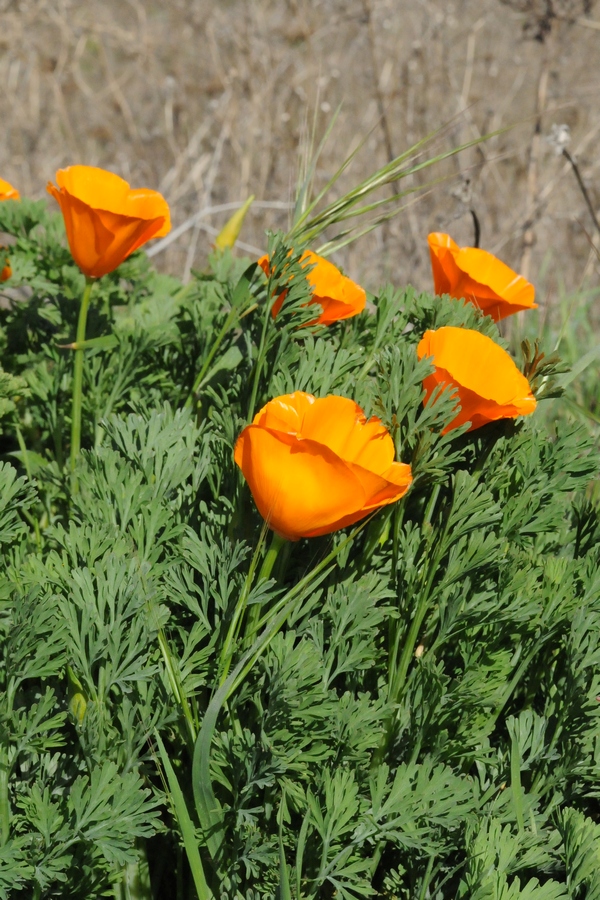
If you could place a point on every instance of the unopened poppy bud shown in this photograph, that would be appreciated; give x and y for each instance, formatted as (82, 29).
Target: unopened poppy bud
(230, 232)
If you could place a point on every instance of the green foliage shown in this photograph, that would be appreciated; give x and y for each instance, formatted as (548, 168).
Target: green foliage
(406, 711)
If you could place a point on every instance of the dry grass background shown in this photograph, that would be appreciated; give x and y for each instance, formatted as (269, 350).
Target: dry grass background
(206, 100)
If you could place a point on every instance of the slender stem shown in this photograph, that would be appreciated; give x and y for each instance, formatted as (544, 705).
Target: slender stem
(25, 455)
(259, 364)
(240, 608)
(398, 671)
(265, 572)
(4, 807)
(476, 228)
(583, 188)
(272, 553)
(233, 313)
(177, 687)
(78, 375)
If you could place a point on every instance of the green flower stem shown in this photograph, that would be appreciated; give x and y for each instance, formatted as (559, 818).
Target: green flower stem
(232, 633)
(78, 375)
(229, 321)
(4, 804)
(398, 670)
(177, 688)
(272, 553)
(265, 573)
(258, 365)
(277, 543)
(134, 877)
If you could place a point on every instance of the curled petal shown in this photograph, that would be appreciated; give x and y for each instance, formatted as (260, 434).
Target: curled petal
(7, 191)
(339, 296)
(317, 465)
(105, 220)
(300, 488)
(478, 276)
(486, 380)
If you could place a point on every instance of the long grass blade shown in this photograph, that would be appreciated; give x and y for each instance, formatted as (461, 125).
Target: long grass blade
(186, 825)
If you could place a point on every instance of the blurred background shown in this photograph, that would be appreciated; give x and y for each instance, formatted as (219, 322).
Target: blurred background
(208, 101)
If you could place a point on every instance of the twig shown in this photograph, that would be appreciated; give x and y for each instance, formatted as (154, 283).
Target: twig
(476, 228)
(210, 180)
(532, 171)
(584, 190)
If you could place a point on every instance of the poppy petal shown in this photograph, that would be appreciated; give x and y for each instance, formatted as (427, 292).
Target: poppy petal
(300, 488)
(105, 220)
(487, 381)
(479, 277)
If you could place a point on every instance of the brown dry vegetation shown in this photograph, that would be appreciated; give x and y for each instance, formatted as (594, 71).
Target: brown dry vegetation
(206, 100)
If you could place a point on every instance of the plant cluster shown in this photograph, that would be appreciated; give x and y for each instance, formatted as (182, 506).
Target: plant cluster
(408, 708)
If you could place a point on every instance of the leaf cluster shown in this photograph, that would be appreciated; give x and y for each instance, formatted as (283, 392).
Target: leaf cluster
(422, 719)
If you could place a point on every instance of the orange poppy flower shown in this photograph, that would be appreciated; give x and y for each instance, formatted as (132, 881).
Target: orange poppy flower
(6, 271)
(488, 383)
(7, 191)
(479, 277)
(340, 297)
(317, 465)
(105, 219)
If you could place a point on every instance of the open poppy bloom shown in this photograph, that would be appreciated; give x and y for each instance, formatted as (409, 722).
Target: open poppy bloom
(339, 296)
(317, 465)
(105, 219)
(488, 383)
(479, 277)
(7, 191)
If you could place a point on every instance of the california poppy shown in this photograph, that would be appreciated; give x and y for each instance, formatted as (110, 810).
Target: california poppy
(339, 296)
(488, 383)
(105, 219)
(7, 191)
(479, 277)
(316, 465)
(6, 270)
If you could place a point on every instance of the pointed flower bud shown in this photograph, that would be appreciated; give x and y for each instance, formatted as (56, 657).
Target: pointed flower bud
(230, 232)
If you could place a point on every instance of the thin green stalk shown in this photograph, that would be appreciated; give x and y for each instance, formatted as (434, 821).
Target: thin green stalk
(208, 807)
(241, 292)
(188, 832)
(232, 633)
(31, 519)
(176, 687)
(398, 672)
(78, 374)
(259, 359)
(277, 543)
(4, 804)
(134, 878)
(233, 313)
(515, 781)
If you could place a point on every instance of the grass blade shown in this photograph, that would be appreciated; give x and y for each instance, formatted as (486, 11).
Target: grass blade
(186, 825)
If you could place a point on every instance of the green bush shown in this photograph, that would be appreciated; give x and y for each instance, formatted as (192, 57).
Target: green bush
(417, 715)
